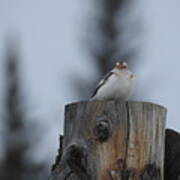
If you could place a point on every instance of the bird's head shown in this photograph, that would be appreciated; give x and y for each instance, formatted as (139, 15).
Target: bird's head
(121, 65)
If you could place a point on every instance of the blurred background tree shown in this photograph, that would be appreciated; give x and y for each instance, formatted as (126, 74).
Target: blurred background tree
(109, 39)
(15, 165)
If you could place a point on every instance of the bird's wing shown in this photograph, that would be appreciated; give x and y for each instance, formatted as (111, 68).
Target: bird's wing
(101, 83)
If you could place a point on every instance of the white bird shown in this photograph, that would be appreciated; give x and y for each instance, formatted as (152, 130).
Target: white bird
(117, 84)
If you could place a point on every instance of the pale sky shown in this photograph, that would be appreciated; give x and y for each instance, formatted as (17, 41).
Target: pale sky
(51, 48)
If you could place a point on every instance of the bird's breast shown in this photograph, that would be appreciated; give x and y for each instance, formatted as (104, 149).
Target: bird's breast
(121, 87)
(115, 87)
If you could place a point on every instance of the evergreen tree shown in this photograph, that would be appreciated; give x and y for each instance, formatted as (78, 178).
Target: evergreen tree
(16, 138)
(110, 39)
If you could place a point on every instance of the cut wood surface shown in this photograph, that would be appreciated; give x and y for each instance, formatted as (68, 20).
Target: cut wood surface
(112, 140)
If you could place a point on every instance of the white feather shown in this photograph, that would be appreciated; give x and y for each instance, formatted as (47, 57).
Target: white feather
(118, 86)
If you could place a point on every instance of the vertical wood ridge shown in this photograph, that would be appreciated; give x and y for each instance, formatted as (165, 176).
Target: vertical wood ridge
(114, 140)
(128, 132)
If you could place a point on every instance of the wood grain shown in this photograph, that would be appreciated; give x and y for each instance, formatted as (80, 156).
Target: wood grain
(112, 140)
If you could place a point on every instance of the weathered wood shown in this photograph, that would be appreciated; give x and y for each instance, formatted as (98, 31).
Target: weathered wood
(112, 140)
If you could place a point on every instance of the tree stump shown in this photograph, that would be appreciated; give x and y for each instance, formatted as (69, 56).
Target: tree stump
(112, 140)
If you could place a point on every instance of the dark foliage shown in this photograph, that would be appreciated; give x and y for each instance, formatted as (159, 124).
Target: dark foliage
(112, 27)
(109, 39)
(16, 138)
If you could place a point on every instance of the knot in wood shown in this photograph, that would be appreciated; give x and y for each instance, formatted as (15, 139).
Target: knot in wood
(151, 172)
(76, 158)
(102, 130)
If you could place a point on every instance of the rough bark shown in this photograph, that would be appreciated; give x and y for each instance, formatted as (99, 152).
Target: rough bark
(172, 155)
(112, 140)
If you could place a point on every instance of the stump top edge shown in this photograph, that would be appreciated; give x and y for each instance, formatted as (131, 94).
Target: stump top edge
(120, 101)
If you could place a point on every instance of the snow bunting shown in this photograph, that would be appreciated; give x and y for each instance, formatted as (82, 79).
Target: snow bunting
(117, 84)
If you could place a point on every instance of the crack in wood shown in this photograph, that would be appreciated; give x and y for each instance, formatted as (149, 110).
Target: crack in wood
(102, 149)
(128, 133)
